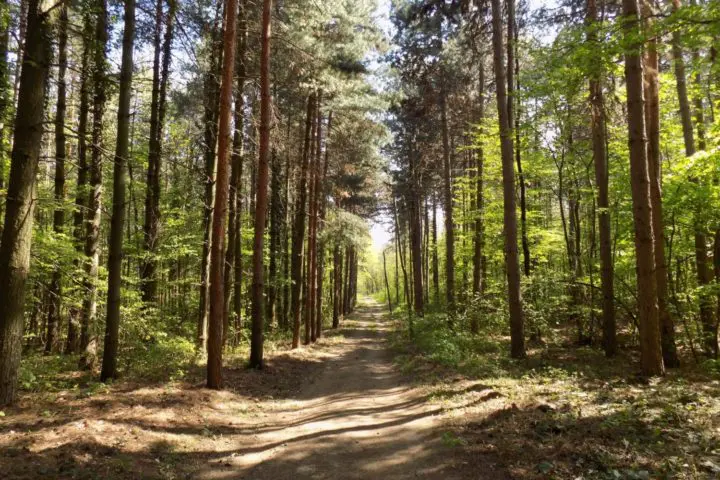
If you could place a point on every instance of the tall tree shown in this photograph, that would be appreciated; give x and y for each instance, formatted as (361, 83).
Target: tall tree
(17, 232)
(600, 161)
(517, 348)
(55, 290)
(650, 350)
(117, 221)
(161, 73)
(217, 296)
(256, 340)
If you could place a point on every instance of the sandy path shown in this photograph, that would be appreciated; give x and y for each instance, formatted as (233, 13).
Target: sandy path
(357, 419)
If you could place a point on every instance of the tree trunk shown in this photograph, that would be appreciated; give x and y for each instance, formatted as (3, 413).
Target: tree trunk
(210, 122)
(415, 233)
(276, 219)
(387, 283)
(299, 224)
(81, 194)
(322, 197)
(88, 344)
(117, 222)
(650, 349)
(448, 197)
(479, 234)
(512, 266)
(256, 342)
(337, 285)
(435, 260)
(217, 295)
(652, 125)
(148, 272)
(5, 105)
(17, 231)
(55, 290)
(600, 160)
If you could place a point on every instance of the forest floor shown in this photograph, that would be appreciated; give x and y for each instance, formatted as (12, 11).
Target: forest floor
(366, 402)
(337, 410)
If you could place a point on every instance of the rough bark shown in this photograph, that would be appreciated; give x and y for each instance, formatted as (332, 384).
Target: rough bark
(512, 267)
(17, 231)
(55, 290)
(650, 350)
(652, 125)
(600, 161)
(256, 341)
(151, 228)
(299, 225)
(88, 343)
(222, 185)
(448, 198)
(117, 221)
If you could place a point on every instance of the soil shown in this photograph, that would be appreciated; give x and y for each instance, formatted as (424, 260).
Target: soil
(336, 410)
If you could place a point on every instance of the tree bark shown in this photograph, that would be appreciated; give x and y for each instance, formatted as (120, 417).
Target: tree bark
(652, 125)
(217, 296)
(151, 227)
(88, 343)
(448, 197)
(55, 290)
(117, 222)
(5, 98)
(517, 349)
(256, 342)
(20, 204)
(600, 160)
(650, 349)
(210, 122)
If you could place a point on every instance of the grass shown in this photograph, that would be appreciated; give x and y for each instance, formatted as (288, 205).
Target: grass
(565, 411)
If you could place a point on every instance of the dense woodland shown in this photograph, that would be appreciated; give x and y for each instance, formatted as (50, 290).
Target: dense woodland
(182, 181)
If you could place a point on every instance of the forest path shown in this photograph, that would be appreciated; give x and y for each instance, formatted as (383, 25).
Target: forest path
(358, 418)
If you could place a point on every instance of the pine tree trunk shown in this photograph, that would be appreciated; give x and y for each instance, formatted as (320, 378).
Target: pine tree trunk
(151, 227)
(275, 224)
(512, 266)
(117, 221)
(222, 185)
(5, 105)
(238, 163)
(415, 234)
(479, 234)
(55, 289)
(81, 194)
(435, 261)
(17, 231)
(448, 198)
(88, 342)
(322, 200)
(210, 122)
(299, 225)
(600, 160)
(652, 125)
(650, 349)
(337, 285)
(256, 341)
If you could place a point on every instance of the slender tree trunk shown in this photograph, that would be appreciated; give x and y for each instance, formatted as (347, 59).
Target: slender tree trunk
(387, 283)
(81, 194)
(217, 296)
(5, 99)
(238, 161)
(17, 231)
(652, 125)
(479, 234)
(88, 341)
(55, 290)
(117, 222)
(415, 233)
(510, 215)
(600, 160)
(256, 342)
(299, 224)
(275, 225)
(650, 349)
(322, 199)
(210, 122)
(161, 71)
(337, 285)
(448, 197)
(435, 260)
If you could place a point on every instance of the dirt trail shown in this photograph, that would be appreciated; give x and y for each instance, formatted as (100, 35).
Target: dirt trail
(357, 419)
